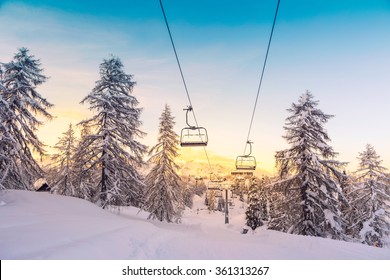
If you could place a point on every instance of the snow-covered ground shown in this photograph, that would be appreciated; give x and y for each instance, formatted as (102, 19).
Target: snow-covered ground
(44, 226)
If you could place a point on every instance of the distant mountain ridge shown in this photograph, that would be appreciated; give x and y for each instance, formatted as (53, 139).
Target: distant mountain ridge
(193, 162)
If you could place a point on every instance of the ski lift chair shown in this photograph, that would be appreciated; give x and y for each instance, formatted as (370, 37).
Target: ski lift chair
(216, 186)
(193, 136)
(246, 162)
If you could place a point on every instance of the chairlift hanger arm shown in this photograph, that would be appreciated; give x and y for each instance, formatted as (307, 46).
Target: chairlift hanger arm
(250, 147)
(188, 109)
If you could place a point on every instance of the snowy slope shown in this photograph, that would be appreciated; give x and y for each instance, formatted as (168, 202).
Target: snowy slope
(45, 226)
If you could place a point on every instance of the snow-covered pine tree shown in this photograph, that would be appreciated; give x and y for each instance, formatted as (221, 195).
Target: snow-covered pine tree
(199, 186)
(188, 195)
(283, 211)
(348, 185)
(163, 195)
(64, 181)
(265, 198)
(254, 211)
(211, 200)
(7, 142)
(4, 142)
(84, 171)
(310, 174)
(112, 146)
(20, 78)
(370, 199)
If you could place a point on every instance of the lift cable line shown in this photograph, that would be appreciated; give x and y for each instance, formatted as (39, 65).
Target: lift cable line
(261, 77)
(201, 130)
(177, 58)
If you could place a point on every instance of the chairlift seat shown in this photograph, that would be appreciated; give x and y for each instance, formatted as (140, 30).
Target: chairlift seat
(193, 137)
(245, 163)
(242, 172)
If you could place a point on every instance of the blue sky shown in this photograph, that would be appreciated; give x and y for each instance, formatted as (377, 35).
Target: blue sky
(336, 49)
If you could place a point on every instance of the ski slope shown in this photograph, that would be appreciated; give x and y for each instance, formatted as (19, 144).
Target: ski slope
(42, 226)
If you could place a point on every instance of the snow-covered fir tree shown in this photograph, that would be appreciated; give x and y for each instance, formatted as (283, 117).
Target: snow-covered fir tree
(348, 185)
(309, 173)
(19, 80)
(188, 195)
(370, 199)
(264, 196)
(253, 213)
(112, 147)
(211, 200)
(85, 172)
(163, 194)
(199, 186)
(283, 210)
(7, 141)
(64, 181)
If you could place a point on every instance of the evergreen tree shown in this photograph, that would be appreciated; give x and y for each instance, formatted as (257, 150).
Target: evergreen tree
(348, 186)
(283, 211)
(309, 173)
(7, 142)
(4, 135)
(112, 146)
(371, 199)
(199, 187)
(163, 195)
(188, 195)
(85, 171)
(64, 183)
(211, 200)
(254, 211)
(19, 80)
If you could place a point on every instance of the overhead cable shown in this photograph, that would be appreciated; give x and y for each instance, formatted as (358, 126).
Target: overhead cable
(182, 76)
(262, 75)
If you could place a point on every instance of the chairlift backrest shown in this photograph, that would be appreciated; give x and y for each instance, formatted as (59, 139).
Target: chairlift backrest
(245, 163)
(216, 187)
(193, 136)
(215, 184)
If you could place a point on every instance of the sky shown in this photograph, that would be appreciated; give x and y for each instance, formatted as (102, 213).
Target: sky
(338, 50)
